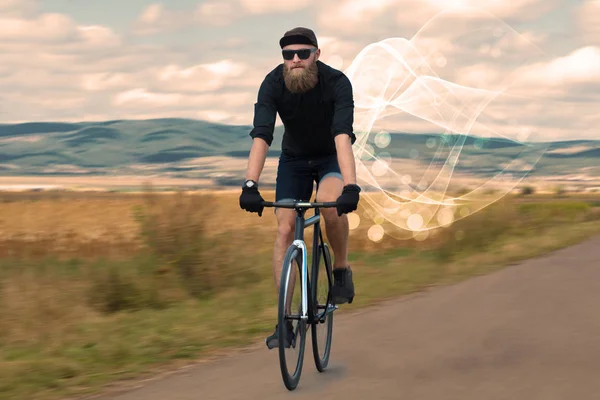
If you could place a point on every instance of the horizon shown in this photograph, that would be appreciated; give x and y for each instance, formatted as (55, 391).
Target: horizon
(279, 127)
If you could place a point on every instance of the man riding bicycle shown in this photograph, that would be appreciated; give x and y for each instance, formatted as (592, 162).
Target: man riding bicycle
(316, 105)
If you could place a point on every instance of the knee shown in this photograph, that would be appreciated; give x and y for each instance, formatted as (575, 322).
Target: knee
(330, 215)
(285, 229)
(327, 196)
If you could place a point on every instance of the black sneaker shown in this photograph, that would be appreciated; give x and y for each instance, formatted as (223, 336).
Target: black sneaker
(273, 340)
(343, 286)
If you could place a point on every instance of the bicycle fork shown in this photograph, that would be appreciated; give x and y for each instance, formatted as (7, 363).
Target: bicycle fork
(302, 246)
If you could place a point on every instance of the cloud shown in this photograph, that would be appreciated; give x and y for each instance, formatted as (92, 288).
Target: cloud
(350, 17)
(217, 13)
(46, 54)
(98, 36)
(497, 83)
(273, 7)
(50, 27)
(152, 14)
(505, 116)
(589, 21)
(103, 81)
(52, 68)
(31, 80)
(17, 8)
(54, 29)
(515, 9)
(217, 107)
(578, 71)
(226, 12)
(359, 18)
(201, 78)
(143, 97)
(337, 52)
(156, 18)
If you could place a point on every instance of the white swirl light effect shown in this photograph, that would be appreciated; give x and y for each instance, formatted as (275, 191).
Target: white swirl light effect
(397, 76)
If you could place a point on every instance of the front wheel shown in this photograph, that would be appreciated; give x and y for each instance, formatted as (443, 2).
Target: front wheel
(291, 352)
(321, 283)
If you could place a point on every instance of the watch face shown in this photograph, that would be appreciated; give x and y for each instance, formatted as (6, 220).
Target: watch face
(249, 183)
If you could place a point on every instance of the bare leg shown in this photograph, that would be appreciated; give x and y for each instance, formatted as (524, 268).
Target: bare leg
(285, 236)
(336, 227)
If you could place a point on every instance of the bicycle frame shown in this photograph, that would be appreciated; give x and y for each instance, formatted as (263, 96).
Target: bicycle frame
(300, 226)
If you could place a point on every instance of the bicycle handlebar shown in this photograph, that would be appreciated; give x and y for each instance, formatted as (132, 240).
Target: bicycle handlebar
(299, 204)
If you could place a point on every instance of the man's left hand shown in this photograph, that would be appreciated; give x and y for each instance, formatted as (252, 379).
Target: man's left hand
(348, 200)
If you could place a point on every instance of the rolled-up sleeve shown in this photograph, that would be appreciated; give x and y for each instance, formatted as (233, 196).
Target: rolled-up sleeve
(343, 114)
(265, 112)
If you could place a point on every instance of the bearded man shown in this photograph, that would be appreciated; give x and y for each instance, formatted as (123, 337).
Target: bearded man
(316, 105)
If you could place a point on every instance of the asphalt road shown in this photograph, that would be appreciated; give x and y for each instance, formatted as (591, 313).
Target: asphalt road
(529, 331)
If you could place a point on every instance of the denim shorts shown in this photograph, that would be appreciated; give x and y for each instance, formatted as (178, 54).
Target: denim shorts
(295, 175)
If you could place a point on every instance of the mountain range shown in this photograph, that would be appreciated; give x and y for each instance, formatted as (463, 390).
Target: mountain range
(173, 146)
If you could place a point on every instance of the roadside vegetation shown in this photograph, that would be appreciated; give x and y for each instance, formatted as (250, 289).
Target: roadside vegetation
(97, 288)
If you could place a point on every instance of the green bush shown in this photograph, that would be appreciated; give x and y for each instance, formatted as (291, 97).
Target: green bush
(562, 211)
(111, 292)
(476, 232)
(174, 229)
(119, 287)
(527, 190)
(181, 260)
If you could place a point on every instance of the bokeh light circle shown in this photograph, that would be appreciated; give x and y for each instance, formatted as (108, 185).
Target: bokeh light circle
(445, 217)
(415, 222)
(375, 233)
(383, 139)
(379, 167)
(353, 221)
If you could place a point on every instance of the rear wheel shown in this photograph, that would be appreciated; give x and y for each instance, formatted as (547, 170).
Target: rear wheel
(291, 357)
(322, 328)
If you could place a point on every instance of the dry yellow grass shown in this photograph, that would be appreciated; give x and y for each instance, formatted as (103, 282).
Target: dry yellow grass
(90, 224)
(87, 289)
(65, 224)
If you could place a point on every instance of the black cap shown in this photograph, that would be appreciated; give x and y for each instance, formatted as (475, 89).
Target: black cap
(299, 35)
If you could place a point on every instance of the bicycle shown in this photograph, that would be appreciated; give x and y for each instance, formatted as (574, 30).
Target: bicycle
(308, 309)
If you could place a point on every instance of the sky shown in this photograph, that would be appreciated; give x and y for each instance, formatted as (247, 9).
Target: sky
(524, 69)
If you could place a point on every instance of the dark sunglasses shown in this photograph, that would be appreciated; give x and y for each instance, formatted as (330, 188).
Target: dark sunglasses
(303, 54)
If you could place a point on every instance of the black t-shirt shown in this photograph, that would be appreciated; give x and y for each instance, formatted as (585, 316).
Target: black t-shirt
(311, 119)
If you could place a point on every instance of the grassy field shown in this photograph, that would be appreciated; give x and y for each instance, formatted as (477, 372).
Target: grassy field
(97, 288)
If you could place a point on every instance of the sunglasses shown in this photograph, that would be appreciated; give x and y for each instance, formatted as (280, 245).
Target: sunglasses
(303, 54)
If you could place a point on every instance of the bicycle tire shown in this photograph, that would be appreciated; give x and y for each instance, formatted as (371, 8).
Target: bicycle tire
(322, 362)
(290, 380)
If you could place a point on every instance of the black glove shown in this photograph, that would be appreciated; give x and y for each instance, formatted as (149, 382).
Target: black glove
(348, 200)
(251, 200)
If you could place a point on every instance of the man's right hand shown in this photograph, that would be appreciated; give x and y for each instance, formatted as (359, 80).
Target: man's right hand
(251, 200)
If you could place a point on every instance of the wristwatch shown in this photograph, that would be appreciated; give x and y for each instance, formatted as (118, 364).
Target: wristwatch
(249, 183)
